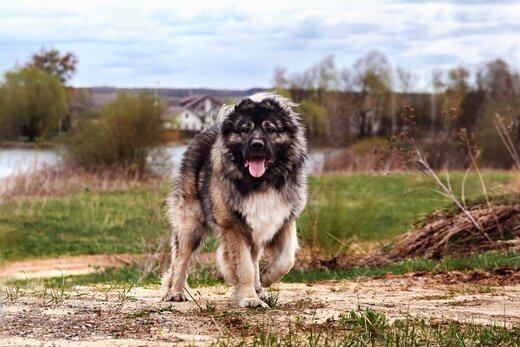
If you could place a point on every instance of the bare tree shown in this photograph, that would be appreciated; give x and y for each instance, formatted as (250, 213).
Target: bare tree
(56, 64)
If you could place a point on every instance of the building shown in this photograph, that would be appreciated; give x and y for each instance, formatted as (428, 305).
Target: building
(190, 114)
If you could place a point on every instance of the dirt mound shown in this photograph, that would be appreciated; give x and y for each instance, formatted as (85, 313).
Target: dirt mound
(454, 234)
(503, 276)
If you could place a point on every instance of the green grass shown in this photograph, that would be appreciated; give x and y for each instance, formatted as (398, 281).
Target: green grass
(367, 207)
(484, 261)
(376, 207)
(82, 223)
(207, 275)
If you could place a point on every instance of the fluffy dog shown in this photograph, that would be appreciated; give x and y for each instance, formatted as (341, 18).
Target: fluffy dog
(244, 179)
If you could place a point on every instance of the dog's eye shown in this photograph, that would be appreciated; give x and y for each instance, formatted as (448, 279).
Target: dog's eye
(245, 130)
(270, 130)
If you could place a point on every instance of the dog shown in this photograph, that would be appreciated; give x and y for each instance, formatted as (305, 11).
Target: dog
(243, 178)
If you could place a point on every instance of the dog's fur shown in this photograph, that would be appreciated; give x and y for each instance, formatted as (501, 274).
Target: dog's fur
(244, 179)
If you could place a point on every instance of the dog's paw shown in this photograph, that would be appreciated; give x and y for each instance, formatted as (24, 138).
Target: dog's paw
(252, 303)
(175, 296)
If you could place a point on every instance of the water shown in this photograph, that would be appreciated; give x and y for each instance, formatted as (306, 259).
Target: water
(16, 161)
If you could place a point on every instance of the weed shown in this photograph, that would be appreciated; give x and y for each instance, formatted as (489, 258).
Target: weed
(106, 292)
(53, 295)
(270, 297)
(13, 293)
(210, 307)
(123, 293)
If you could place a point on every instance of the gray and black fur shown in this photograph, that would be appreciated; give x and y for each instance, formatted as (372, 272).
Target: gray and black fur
(254, 216)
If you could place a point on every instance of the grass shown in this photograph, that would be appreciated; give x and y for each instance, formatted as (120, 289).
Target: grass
(376, 207)
(371, 208)
(370, 328)
(82, 223)
(207, 275)
(485, 261)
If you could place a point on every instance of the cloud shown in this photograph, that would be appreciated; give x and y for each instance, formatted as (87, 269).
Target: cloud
(233, 44)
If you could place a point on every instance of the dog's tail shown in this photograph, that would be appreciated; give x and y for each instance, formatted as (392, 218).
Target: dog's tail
(219, 116)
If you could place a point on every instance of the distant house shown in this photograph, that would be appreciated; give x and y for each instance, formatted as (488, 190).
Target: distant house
(191, 113)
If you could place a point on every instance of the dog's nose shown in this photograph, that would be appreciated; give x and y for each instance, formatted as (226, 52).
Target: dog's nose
(257, 144)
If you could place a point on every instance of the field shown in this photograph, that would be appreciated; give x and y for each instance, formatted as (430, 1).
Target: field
(85, 265)
(370, 208)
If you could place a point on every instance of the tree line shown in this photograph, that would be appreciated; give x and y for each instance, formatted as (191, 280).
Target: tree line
(343, 105)
(339, 106)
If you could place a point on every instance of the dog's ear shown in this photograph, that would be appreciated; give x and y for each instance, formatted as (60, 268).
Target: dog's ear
(227, 127)
(290, 124)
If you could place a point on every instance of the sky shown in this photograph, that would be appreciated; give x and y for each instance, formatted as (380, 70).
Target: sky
(238, 44)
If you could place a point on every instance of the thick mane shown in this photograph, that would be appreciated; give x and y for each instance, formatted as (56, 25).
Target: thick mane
(284, 102)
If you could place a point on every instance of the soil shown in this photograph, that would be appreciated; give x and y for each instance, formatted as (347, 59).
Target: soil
(99, 316)
(55, 267)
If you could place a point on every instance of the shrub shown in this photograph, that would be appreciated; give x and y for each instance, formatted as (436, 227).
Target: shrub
(123, 137)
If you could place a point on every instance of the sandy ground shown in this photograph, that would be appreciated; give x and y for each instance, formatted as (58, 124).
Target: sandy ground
(55, 267)
(99, 316)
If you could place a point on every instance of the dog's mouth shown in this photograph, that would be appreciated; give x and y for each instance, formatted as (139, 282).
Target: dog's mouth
(258, 165)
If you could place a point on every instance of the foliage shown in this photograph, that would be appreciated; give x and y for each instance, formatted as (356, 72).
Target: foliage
(33, 103)
(124, 136)
(55, 64)
(364, 101)
(316, 122)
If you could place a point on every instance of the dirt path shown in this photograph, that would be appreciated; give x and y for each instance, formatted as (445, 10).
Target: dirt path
(97, 316)
(77, 265)
(54, 267)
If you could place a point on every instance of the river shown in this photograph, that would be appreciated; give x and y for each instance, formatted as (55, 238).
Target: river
(17, 161)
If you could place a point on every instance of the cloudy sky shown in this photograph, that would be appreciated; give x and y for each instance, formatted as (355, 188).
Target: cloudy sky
(237, 44)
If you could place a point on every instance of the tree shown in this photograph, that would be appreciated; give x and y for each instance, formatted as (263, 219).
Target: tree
(373, 73)
(34, 103)
(56, 64)
(496, 79)
(123, 137)
(316, 121)
(374, 79)
(405, 80)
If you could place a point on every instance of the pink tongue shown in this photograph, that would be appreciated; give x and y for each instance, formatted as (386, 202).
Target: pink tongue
(257, 167)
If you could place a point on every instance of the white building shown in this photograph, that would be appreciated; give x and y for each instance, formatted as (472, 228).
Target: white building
(191, 113)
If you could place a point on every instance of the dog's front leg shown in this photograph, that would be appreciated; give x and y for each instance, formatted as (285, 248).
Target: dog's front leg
(256, 254)
(235, 260)
(281, 251)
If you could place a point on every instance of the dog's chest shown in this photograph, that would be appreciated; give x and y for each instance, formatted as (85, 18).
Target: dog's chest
(265, 213)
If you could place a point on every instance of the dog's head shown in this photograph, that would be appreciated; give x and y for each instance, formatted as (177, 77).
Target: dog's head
(264, 136)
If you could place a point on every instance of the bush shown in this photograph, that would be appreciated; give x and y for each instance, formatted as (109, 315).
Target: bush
(123, 137)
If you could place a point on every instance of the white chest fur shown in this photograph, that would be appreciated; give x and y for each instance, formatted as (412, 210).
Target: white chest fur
(265, 213)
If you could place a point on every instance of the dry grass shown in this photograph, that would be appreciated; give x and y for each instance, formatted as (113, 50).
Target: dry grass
(60, 180)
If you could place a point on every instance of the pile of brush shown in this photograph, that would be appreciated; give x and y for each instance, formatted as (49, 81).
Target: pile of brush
(496, 228)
